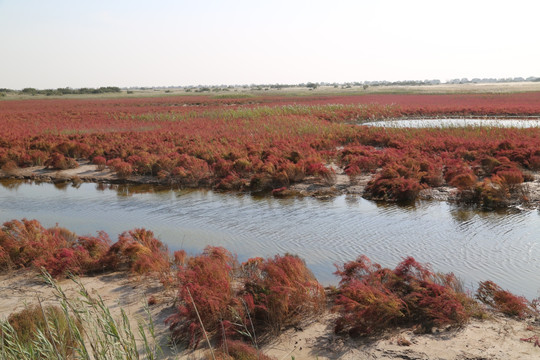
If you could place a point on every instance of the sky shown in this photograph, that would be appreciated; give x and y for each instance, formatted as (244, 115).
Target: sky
(75, 43)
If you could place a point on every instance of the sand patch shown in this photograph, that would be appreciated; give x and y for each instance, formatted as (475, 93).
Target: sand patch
(496, 338)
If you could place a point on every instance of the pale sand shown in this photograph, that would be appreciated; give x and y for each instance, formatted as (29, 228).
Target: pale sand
(496, 338)
(118, 291)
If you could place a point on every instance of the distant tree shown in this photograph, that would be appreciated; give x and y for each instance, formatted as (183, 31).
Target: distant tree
(109, 89)
(49, 92)
(31, 91)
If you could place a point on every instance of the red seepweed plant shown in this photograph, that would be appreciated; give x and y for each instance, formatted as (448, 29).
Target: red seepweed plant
(100, 161)
(396, 182)
(236, 349)
(232, 302)
(206, 283)
(269, 142)
(281, 291)
(59, 162)
(242, 302)
(141, 253)
(371, 298)
(27, 243)
(501, 300)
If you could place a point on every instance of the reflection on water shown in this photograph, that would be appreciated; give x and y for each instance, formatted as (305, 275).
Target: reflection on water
(12, 184)
(62, 185)
(132, 189)
(444, 123)
(501, 246)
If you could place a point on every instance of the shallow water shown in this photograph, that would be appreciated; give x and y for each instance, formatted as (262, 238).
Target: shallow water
(445, 123)
(500, 246)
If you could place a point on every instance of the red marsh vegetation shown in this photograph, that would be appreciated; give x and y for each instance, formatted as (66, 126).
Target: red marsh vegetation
(265, 143)
(244, 304)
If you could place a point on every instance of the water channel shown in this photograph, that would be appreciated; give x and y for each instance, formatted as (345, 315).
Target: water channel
(446, 123)
(499, 246)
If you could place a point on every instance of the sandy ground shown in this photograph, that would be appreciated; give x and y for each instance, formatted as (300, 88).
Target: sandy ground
(85, 172)
(496, 338)
(24, 287)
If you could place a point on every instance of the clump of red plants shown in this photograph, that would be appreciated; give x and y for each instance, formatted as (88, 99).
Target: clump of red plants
(239, 305)
(206, 295)
(27, 244)
(139, 251)
(395, 182)
(270, 142)
(502, 301)
(59, 162)
(236, 349)
(280, 291)
(242, 302)
(371, 298)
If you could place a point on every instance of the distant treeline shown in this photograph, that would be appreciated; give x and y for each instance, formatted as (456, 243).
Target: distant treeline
(345, 85)
(63, 91)
(220, 88)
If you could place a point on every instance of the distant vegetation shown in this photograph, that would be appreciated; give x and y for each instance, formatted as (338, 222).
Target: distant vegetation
(61, 91)
(344, 85)
(260, 87)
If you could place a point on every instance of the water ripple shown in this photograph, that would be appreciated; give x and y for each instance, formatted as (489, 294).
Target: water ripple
(477, 246)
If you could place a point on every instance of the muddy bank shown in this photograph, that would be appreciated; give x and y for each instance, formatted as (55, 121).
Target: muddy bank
(339, 184)
(497, 337)
(85, 172)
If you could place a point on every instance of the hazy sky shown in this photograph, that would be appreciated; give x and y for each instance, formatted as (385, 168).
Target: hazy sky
(50, 44)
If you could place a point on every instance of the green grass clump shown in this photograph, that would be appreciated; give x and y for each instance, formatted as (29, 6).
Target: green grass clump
(37, 324)
(81, 328)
